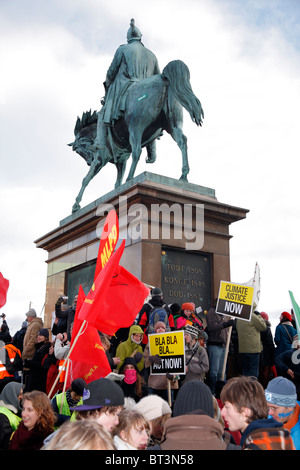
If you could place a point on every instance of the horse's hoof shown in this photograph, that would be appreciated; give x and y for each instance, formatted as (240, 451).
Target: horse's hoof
(75, 208)
(183, 178)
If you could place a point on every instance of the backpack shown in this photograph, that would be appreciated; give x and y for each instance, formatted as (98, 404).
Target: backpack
(158, 314)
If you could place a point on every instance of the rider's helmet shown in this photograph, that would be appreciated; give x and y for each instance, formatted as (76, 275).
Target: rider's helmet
(133, 34)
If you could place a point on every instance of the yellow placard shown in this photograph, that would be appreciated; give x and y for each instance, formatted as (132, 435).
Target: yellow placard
(236, 293)
(170, 347)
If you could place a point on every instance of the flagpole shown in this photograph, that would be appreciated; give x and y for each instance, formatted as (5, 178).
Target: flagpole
(226, 352)
(64, 387)
(67, 358)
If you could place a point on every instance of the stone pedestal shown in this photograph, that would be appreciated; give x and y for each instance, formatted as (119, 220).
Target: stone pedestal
(177, 238)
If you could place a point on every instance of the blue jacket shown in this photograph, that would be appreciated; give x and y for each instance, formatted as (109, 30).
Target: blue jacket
(283, 338)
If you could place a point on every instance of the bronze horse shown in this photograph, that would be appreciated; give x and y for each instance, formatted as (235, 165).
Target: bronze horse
(152, 106)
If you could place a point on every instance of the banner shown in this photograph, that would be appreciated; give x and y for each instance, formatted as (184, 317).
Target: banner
(296, 309)
(4, 285)
(109, 240)
(170, 347)
(235, 300)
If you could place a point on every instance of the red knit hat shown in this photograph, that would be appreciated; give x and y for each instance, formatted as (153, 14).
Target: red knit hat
(287, 316)
(188, 306)
(264, 315)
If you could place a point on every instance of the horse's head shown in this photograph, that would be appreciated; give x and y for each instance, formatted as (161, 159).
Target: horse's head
(85, 133)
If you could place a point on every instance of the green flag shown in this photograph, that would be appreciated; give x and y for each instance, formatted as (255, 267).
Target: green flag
(296, 309)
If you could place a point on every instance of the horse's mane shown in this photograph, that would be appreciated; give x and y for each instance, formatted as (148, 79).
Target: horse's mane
(86, 120)
(178, 75)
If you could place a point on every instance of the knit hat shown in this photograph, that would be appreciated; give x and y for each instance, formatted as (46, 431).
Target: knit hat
(175, 308)
(193, 331)
(31, 313)
(264, 315)
(188, 306)
(153, 406)
(159, 324)
(194, 395)
(78, 386)
(44, 332)
(281, 392)
(99, 393)
(286, 316)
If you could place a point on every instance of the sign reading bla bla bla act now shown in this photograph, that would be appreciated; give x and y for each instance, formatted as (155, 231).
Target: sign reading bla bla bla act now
(235, 300)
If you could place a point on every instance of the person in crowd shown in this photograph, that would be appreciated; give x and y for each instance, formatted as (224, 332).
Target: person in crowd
(155, 302)
(133, 384)
(267, 369)
(218, 388)
(38, 420)
(193, 425)
(217, 331)
(67, 315)
(157, 411)
(282, 403)
(246, 410)
(187, 316)
(35, 324)
(60, 323)
(11, 364)
(249, 342)
(55, 364)
(18, 338)
(81, 435)
(288, 364)
(284, 333)
(62, 402)
(37, 375)
(105, 340)
(102, 401)
(132, 432)
(176, 310)
(158, 384)
(10, 412)
(196, 358)
(132, 347)
(4, 334)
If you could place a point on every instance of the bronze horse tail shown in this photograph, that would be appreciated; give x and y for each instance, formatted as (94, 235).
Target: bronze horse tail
(178, 76)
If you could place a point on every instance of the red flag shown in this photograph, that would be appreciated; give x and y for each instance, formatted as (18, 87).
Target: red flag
(115, 298)
(4, 285)
(109, 240)
(88, 358)
(86, 345)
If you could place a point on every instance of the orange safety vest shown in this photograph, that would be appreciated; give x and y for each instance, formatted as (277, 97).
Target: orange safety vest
(62, 368)
(12, 351)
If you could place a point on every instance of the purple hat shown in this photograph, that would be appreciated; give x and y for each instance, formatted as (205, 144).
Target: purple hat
(99, 393)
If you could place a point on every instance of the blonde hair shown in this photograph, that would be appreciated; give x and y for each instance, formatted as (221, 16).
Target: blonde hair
(81, 435)
(129, 419)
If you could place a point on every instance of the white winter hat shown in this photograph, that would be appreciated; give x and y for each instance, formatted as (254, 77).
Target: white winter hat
(153, 406)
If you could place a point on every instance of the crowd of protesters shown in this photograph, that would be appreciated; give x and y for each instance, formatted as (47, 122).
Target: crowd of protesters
(251, 402)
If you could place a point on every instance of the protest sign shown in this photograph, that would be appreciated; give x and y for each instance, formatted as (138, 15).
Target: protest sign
(235, 300)
(170, 347)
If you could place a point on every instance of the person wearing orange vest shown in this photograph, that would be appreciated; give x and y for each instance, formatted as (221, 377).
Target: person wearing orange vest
(10, 364)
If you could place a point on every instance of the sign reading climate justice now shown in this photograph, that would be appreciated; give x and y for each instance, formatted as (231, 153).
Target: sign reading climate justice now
(170, 347)
(235, 300)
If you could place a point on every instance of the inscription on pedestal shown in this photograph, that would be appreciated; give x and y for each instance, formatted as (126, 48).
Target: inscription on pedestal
(186, 277)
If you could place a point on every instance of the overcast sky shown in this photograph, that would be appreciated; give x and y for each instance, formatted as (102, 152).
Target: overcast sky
(244, 60)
